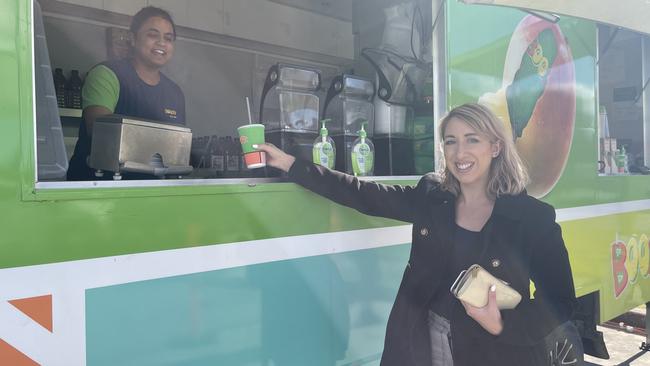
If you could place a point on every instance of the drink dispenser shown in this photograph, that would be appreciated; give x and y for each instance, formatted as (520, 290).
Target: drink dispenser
(289, 108)
(348, 104)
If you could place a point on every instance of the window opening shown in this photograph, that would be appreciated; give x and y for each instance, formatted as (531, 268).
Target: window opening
(387, 88)
(622, 102)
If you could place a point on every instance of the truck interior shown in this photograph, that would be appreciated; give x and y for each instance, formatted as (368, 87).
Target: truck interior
(372, 61)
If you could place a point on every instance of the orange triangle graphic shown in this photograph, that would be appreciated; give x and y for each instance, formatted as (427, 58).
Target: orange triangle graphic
(13, 357)
(38, 308)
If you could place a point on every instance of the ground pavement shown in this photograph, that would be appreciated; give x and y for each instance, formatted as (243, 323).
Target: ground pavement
(623, 343)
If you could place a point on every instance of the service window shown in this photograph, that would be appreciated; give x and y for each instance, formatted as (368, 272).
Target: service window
(286, 64)
(623, 68)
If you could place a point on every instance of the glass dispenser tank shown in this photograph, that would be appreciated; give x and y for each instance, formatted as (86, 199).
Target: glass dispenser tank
(289, 108)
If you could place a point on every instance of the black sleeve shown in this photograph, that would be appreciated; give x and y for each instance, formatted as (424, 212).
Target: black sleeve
(391, 201)
(554, 298)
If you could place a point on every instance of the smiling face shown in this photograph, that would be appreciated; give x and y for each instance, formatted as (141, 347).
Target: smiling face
(153, 43)
(468, 154)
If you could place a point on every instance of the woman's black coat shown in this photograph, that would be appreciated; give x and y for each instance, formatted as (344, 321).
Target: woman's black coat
(522, 244)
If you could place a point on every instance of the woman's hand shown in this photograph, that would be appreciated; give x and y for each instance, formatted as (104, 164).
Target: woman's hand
(489, 316)
(276, 157)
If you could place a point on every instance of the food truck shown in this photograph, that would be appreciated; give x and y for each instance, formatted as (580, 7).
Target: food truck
(206, 262)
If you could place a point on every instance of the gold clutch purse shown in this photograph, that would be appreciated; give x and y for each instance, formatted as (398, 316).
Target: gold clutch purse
(473, 284)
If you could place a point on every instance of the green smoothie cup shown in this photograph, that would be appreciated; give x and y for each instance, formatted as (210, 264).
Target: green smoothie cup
(249, 135)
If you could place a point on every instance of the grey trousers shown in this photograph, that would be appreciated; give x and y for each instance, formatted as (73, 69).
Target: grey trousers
(440, 335)
(563, 345)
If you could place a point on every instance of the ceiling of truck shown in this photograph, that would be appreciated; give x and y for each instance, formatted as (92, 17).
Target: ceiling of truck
(341, 9)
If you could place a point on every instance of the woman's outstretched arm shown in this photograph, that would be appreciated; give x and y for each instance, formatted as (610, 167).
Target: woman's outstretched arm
(371, 198)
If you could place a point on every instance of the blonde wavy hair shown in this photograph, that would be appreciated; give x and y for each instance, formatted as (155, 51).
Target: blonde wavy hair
(507, 175)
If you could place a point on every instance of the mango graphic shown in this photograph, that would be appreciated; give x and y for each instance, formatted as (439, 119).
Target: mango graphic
(537, 100)
(619, 271)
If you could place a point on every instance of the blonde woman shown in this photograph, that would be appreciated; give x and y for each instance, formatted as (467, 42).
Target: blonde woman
(475, 210)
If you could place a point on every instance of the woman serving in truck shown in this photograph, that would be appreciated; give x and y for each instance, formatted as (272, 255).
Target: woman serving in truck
(134, 86)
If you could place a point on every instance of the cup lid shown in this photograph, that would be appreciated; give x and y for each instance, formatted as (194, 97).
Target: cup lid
(251, 125)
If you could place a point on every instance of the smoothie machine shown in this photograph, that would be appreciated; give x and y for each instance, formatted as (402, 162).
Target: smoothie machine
(289, 108)
(349, 105)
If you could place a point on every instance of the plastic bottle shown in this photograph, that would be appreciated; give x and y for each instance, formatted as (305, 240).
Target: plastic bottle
(204, 145)
(324, 149)
(611, 158)
(59, 87)
(363, 154)
(225, 150)
(619, 161)
(73, 89)
(624, 160)
(232, 158)
(216, 155)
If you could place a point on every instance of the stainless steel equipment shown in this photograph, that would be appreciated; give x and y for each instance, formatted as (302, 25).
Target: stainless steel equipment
(129, 145)
(401, 61)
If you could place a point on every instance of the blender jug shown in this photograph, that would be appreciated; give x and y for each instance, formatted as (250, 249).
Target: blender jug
(289, 108)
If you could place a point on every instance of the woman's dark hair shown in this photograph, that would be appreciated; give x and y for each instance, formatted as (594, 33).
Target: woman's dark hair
(149, 12)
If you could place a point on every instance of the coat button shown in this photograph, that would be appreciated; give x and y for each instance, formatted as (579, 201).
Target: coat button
(496, 262)
(424, 231)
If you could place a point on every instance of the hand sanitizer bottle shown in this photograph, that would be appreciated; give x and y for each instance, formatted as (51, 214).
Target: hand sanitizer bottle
(363, 154)
(624, 160)
(324, 150)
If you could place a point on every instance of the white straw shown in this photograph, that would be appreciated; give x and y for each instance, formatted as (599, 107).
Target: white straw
(248, 107)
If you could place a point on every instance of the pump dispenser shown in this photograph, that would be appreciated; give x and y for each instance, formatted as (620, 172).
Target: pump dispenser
(363, 154)
(324, 150)
(621, 161)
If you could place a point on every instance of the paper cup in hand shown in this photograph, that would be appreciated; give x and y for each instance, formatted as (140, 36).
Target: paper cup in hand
(250, 135)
